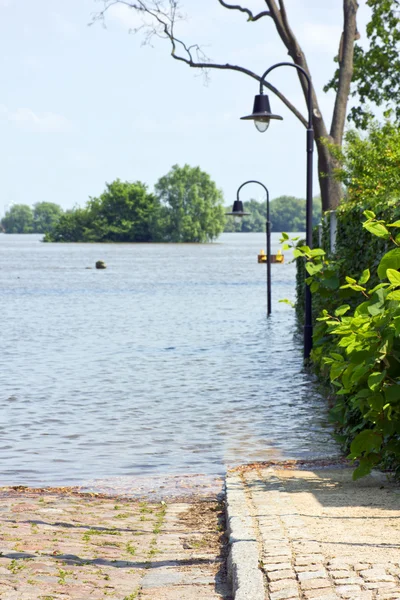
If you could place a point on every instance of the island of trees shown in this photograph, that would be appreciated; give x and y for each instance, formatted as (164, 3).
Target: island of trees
(186, 206)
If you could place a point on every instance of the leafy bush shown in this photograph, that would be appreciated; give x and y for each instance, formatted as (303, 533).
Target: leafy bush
(358, 344)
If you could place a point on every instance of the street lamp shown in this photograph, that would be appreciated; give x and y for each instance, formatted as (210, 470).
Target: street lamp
(238, 212)
(262, 116)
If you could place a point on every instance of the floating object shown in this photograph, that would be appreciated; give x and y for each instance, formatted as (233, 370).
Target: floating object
(100, 264)
(274, 258)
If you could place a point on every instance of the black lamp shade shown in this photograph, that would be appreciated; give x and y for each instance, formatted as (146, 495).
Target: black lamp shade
(261, 110)
(237, 210)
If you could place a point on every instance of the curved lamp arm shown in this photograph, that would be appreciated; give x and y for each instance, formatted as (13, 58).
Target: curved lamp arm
(259, 183)
(309, 86)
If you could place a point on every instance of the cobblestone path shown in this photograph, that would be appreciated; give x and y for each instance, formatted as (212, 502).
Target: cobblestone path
(318, 535)
(74, 547)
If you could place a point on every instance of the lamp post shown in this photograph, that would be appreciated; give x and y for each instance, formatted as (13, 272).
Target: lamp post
(262, 116)
(238, 211)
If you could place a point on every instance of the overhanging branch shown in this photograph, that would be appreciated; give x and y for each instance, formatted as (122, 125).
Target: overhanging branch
(164, 23)
(251, 17)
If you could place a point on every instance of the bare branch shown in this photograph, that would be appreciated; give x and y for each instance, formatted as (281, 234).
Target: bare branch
(251, 17)
(164, 27)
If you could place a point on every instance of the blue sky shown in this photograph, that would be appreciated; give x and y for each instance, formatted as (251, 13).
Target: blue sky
(83, 105)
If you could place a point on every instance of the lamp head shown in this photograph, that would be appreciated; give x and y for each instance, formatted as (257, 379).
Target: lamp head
(237, 211)
(261, 114)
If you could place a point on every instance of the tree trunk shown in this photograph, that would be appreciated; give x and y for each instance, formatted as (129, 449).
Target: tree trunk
(331, 188)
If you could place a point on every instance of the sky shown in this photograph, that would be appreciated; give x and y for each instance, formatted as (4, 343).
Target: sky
(83, 104)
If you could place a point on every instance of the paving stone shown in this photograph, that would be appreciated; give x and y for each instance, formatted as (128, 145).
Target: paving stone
(286, 594)
(344, 590)
(309, 567)
(376, 575)
(277, 575)
(307, 575)
(380, 585)
(349, 581)
(280, 566)
(320, 595)
(315, 584)
(341, 574)
(277, 586)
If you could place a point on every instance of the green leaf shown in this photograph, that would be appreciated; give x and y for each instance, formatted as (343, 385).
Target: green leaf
(363, 469)
(394, 295)
(317, 252)
(377, 229)
(393, 276)
(365, 442)
(338, 357)
(395, 224)
(286, 301)
(285, 236)
(392, 394)
(396, 322)
(364, 277)
(297, 253)
(350, 280)
(312, 269)
(369, 214)
(375, 379)
(342, 310)
(336, 370)
(376, 402)
(391, 260)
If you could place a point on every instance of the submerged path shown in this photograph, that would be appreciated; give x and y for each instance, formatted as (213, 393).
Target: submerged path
(283, 531)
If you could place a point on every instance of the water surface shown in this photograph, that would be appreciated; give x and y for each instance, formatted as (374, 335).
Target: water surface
(163, 363)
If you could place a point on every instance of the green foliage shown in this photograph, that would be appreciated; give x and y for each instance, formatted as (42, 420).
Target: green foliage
(356, 297)
(186, 208)
(370, 165)
(18, 219)
(45, 216)
(359, 345)
(376, 76)
(192, 206)
(287, 213)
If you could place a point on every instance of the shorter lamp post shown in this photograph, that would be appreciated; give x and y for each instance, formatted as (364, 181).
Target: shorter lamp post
(238, 212)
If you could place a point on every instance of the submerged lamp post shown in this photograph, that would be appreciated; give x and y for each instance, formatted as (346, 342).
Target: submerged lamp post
(262, 116)
(238, 212)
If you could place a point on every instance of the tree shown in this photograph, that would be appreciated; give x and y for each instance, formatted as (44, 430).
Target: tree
(124, 212)
(46, 216)
(192, 205)
(287, 213)
(18, 219)
(370, 165)
(376, 75)
(164, 16)
(73, 226)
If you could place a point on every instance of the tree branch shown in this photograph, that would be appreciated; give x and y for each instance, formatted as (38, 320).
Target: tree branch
(164, 27)
(251, 17)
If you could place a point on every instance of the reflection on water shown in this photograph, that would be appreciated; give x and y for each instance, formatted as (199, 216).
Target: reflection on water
(162, 363)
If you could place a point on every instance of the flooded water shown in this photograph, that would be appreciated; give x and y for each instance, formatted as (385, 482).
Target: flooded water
(163, 363)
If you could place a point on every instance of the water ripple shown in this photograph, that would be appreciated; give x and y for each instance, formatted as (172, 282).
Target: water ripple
(162, 363)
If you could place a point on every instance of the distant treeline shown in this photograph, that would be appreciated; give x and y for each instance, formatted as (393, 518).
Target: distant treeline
(186, 206)
(287, 213)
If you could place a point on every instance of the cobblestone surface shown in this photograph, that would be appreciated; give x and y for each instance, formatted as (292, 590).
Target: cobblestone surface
(61, 547)
(322, 536)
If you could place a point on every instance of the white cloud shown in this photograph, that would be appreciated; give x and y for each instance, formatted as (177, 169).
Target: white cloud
(28, 120)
